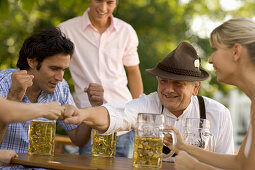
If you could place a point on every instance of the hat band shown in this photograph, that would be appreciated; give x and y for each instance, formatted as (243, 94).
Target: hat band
(179, 71)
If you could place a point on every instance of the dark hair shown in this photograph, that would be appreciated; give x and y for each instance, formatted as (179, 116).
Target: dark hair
(45, 43)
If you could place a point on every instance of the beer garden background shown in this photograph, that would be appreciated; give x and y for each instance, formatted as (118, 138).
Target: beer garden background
(160, 26)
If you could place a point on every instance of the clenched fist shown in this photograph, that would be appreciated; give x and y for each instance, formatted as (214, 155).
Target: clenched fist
(95, 94)
(20, 81)
(72, 115)
(52, 110)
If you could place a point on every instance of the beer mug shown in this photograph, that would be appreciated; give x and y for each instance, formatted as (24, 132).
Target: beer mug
(148, 140)
(103, 145)
(42, 137)
(197, 133)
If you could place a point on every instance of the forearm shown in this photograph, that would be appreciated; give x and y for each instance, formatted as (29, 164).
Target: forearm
(80, 136)
(135, 81)
(3, 128)
(15, 95)
(211, 158)
(12, 97)
(203, 166)
(96, 117)
(18, 112)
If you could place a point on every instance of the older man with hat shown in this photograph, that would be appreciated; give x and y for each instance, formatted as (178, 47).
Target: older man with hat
(178, 75)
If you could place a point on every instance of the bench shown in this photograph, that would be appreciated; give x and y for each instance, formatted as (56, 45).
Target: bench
(60, 142)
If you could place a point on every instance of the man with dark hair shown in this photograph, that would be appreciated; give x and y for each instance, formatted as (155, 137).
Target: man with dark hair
(41, 45)
(43, 59)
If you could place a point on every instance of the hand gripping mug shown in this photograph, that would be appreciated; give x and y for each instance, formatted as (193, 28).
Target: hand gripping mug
(42, 137)
(169, 152)
(148, 144)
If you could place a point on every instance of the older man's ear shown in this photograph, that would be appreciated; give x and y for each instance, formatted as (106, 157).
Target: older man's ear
(197, 85)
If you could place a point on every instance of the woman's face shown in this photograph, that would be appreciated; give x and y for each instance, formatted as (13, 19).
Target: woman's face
(222, 59)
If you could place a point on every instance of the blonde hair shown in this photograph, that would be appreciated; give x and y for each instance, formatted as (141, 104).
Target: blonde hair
(237, 30)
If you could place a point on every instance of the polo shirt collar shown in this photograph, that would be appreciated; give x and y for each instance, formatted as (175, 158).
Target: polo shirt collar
(85, 20)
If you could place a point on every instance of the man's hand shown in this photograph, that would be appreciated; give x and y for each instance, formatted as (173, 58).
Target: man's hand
(52, 110)
(71, 115)
(20, 81)
(6, 155)
(184, 161)
(95, 94)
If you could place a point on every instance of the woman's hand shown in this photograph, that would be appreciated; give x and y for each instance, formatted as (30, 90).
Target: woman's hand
(6, 155)
(168, 140)
(184, 161)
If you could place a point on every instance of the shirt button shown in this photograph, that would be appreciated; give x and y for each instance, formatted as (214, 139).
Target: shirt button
(177, 119)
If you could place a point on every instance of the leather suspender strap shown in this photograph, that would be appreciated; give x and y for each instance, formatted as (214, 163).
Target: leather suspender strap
(201, 107)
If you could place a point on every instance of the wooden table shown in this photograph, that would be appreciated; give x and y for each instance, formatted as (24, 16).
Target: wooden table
(75, 162)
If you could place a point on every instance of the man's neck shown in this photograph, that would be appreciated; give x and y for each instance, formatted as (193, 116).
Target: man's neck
(178, 113)
(33, 94)
(102, 26)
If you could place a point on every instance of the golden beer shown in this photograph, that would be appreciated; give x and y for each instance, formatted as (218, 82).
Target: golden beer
(42, 136)
(148, 152)
(103, 145)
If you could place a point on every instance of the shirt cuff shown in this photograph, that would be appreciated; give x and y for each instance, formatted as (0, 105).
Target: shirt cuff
(115, 118)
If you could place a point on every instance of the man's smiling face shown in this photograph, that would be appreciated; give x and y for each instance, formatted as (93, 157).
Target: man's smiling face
(175, 95)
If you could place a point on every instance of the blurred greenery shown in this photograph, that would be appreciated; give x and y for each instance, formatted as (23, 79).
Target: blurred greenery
(160, 26)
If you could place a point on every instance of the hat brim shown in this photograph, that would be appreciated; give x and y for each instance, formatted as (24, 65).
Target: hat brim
(161, 73)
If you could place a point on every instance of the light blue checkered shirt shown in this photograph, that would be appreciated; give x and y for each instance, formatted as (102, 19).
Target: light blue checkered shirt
(16, 136)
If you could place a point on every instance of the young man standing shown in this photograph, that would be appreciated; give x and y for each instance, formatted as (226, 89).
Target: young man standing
(105, 47)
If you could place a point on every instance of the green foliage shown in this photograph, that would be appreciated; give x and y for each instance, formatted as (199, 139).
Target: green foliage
(4, 8)
(160, 26)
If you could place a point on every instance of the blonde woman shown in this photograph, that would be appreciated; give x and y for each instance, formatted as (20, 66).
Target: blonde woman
(233, 59)
(11, 112)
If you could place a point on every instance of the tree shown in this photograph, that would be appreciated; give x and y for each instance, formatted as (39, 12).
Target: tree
(160, 26)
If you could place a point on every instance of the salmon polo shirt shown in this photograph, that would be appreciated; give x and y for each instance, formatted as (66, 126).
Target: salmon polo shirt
(100, 58)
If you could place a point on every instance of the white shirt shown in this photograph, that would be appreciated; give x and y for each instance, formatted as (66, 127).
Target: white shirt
(124, 117)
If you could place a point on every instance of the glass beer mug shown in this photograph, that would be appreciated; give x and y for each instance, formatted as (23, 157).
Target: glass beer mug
(148, 144)
(197, 133)
(42, 137)
(103, 145)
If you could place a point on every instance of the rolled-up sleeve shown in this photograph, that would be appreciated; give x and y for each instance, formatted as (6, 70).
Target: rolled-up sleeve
(120, 119)
(131, 57)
